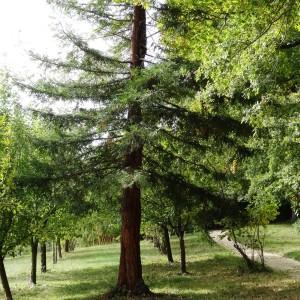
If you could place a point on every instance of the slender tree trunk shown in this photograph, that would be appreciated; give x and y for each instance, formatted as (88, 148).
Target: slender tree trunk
(182, 252)
(156, 242)
(59, 248)
(249, 262)
(43, 257)
(180, 231)
(167, 243)
(130, 269)
(54, 252)
(67, 246)
(34, 250)
(72, 245)
(294, 216)
(4, 280)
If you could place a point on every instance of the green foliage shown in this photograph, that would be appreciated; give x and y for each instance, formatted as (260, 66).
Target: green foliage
(235, 42)
(246, 52)
(13, 218)
(219, 127)
(99, 228)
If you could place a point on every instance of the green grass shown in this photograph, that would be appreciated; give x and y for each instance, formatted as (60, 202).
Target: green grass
(283, 239)
(215, 274)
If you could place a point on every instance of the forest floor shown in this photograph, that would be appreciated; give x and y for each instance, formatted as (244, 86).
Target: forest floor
(215, 273)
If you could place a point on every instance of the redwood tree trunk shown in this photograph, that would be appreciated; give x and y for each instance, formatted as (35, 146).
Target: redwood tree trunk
(167, 243)
(4, 280)
(59, 248)
(34, 249)
(43, 257)
(130, 269)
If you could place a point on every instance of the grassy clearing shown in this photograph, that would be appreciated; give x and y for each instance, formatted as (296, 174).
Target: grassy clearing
(215, 274)
(283, 239)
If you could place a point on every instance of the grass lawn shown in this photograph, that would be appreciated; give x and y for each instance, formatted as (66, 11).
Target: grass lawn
(283, 239)
(89, 272)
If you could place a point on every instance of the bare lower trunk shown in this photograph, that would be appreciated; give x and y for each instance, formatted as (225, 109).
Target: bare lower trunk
(54, 252)
(180, 233)
(167, 243)
(43, 257)
(4, 280)
(59, 248)
(130, 278)
(130, 270)
(34, 249)
(249, 262)
(67, 246)
(156, 242)
(72, 245)
(182, 252)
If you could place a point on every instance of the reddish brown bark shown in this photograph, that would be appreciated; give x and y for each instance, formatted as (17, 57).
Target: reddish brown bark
(130, 270)
(138, 38)
(130, 278)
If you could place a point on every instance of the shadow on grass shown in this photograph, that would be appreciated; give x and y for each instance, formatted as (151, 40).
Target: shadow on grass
(217, 278)
(220, 278)
(94, 254)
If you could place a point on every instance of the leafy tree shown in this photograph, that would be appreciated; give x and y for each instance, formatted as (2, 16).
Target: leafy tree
(236, 42)
(13, 217)
(157, 212)
(114, 84)
(246, 52)
(152, 124)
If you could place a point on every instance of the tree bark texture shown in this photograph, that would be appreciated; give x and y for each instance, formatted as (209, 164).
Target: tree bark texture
(167, 243)
(4, 280)
(130, 278)
(43, 257)
(34, 250)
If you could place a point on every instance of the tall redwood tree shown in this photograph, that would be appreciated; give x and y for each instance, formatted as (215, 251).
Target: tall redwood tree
(105, 80)
(130, 269)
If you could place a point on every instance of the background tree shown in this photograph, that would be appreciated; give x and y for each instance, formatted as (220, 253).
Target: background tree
(13, 218)
(250, 69)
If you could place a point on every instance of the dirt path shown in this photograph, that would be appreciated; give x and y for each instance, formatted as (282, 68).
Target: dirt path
(274, 261)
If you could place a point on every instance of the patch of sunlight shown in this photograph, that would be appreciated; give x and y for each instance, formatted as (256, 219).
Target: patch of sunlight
(176, 291)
